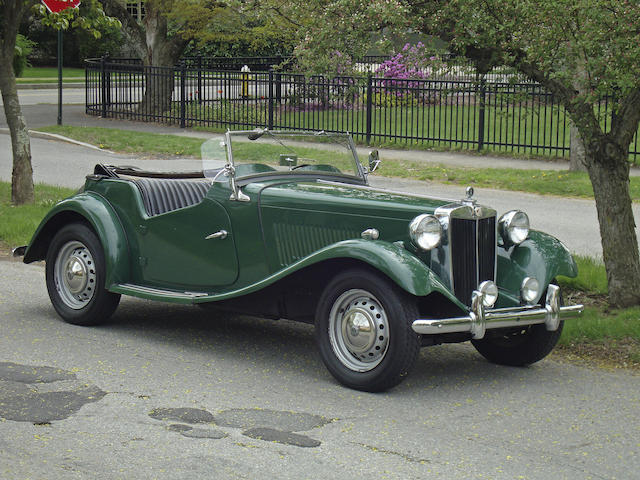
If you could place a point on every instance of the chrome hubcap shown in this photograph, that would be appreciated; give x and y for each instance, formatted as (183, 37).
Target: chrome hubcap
(358, 330)
(75, 275)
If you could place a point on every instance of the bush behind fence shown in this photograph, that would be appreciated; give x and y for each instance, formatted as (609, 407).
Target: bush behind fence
(447, 112)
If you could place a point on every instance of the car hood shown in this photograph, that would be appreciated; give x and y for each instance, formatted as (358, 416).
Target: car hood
(343, 199)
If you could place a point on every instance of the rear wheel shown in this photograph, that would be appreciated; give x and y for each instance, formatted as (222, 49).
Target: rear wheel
(363, 331)
(75, 275)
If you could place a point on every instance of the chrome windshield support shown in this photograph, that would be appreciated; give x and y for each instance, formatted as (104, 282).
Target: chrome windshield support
(479, 320)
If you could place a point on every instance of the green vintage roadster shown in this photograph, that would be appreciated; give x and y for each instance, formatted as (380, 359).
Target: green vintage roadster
(285, 225)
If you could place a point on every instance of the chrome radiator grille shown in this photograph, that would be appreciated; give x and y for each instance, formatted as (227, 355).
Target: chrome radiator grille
(473, 254)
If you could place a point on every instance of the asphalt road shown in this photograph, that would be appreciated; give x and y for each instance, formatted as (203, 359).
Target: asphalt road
(176, 392)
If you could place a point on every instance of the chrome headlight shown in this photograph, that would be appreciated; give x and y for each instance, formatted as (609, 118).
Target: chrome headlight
(425, 231)
(513, 227)
(530, 290)
(489, 292)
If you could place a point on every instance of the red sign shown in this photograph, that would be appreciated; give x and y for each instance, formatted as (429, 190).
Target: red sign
(55, 6)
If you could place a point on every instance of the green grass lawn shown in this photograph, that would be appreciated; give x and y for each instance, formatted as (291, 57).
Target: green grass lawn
(610, 336)
(50, 75)
(17, 224)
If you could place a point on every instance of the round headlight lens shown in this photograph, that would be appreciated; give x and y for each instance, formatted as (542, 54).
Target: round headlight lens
(489, 291)
(530, 289)
(514, 227)
(425, 231)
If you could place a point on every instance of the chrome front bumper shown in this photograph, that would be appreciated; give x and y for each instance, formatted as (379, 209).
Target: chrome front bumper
(480, 319)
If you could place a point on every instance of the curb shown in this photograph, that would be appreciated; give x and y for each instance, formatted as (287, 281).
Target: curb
(59, 138)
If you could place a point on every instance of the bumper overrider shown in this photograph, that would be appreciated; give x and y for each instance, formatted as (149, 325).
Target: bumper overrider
(480, 319)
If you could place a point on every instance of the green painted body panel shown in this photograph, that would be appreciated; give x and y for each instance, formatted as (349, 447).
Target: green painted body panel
(541, 256)
(169, 250)
(287, 225)
(401, 266)
(300, 218)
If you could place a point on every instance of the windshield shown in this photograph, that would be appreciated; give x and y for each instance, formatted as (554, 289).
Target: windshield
(266, 152)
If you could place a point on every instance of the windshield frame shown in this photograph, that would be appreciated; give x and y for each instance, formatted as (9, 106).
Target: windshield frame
(360, 177)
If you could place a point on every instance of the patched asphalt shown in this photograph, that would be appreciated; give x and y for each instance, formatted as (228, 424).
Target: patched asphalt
(23, 398)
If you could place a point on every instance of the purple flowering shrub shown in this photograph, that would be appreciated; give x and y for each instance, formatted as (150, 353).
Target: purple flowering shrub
(403, 77)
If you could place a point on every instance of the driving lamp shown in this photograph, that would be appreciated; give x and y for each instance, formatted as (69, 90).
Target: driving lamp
(425, 231)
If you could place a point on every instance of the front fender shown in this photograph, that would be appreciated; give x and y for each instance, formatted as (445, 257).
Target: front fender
(541, 256)
(95, 210)
(406, 270)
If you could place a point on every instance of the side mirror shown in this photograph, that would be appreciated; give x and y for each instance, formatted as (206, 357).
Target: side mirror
(374, 161)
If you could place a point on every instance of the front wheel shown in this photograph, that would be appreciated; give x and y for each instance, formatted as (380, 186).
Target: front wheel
(519, 347)
(363, 331)
(75, 274)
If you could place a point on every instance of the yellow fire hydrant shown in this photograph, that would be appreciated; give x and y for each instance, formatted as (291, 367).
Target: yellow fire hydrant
(244, 91)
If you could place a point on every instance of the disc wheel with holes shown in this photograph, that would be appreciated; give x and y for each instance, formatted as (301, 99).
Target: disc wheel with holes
(363, 330)
(75, 275)
(520, 346)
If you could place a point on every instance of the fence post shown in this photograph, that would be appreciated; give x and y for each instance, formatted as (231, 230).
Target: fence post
(481, 114)
(270, 124)
(369, 107)
(199, 93)
(279, 88)
(103, 89)
(108, 78)
(183, 94)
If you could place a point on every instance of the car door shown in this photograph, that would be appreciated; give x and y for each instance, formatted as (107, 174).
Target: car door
(189, 248)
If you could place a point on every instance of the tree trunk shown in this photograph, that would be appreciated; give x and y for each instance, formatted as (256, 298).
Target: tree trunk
(22, 175)
(158, 92)
(162, 54)
(577, 161)
(156, 48)
(609, 172)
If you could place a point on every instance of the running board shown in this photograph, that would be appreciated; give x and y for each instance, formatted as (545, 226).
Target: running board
(156, 294)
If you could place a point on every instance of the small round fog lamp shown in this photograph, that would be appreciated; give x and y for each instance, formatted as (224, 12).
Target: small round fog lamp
(530, 289)
(489, 292)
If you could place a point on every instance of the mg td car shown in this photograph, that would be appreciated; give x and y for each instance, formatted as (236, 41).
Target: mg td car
(286, 225)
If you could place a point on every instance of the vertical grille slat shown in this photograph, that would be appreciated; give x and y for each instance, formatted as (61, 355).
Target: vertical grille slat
(473, 250)
(487, 248)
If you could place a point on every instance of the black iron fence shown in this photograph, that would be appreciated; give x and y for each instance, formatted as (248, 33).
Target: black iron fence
(452, 113)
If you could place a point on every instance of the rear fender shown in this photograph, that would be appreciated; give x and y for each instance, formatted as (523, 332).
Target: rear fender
(94, 210)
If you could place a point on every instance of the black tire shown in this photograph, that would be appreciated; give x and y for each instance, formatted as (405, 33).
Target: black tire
(384, 354)
(75, 274)
(521, 347)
